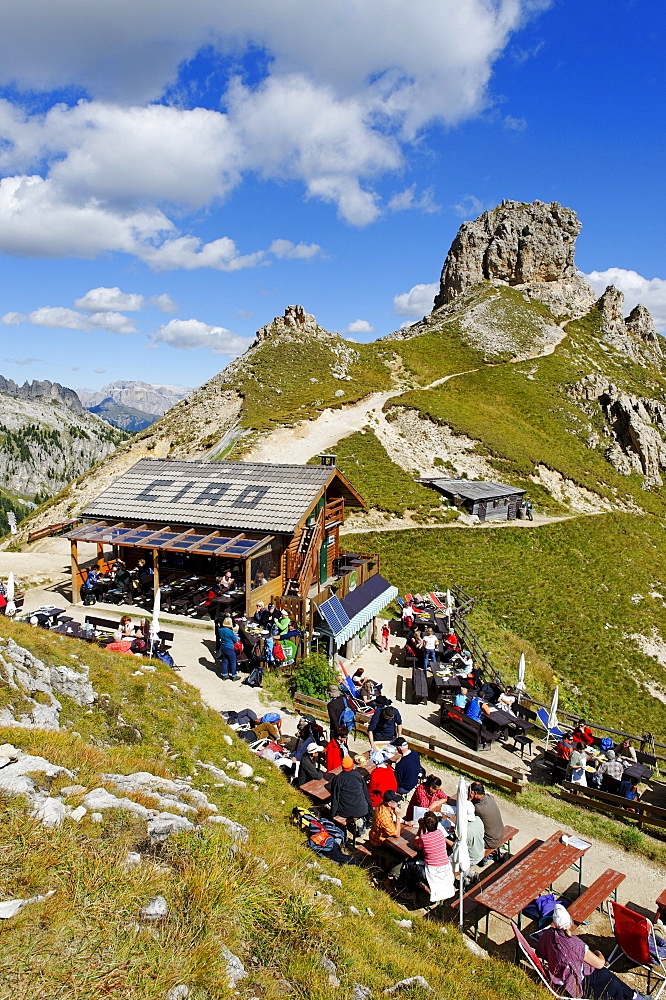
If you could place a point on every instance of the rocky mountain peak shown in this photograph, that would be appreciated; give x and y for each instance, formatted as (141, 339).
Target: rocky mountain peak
(634, 336)
(527, 245)
(45, 391)
(295, 320)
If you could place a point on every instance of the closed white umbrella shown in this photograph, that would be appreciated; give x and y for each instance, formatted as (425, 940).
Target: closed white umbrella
(460, 856)
(449, 606)
(155, 623)
(552, 715)
(10, 610)
(520, 683)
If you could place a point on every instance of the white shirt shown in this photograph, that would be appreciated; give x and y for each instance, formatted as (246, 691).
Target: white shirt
(430, 642)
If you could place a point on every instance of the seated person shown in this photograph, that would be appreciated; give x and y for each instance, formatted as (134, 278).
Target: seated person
(386, 823)
(307, 768)
(613, 767)
(629, 789)
(463, 659)
(582, 734)
(626, 750)
(572, 965)
(382, 778)
(415, 646)
(427, 797)
(260, 615)
(472, 680)
(127, 629)
(506, 701)
(217, 590)
(269, 726)
(259, 580)
(408, 614)
(336, 750)
(143, 571)
(121, 578)
(358, 678)
(432, 843)
(476, 708)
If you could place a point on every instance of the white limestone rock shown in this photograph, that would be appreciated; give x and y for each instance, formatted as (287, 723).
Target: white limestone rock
(10, 907)
(235, 968)
(99, 799)
(407, 984)
(239, 833)
(155, 909)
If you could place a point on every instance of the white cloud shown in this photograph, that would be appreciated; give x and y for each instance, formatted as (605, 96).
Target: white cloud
(189, 253)
(164, 303)
(58, 317)
(285, 249)
(470, 207)
(22, 361)
(407, 199)
(117, 164)
(189, 333)
(109, 300)
(418, 301)
(359, 326)
(514, 124)
(100, 371)
(650, 291)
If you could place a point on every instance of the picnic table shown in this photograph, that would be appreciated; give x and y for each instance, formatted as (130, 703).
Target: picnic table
(320, 788)
(74, 630)
(509, 895)
(49, 610)
(503, 720)
(637, 772)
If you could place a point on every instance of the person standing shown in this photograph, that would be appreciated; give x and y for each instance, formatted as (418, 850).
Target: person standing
(487, 810)
(386, 633)
(226, 654)
(430, 643)
(385, 725)
(336, 705)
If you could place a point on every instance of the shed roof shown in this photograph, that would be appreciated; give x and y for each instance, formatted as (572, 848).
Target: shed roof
(472, 489)
(261, 497)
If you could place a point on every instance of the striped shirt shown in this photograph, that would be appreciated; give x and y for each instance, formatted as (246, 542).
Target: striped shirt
(433, 845)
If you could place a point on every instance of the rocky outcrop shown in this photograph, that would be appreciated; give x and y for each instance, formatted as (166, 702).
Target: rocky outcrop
(295, 320)
(636, 426)
(634, 336)
(529, 245)
(45, 391)
(34, 686)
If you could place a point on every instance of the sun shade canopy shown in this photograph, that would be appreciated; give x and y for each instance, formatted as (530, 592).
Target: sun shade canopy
(143, 537)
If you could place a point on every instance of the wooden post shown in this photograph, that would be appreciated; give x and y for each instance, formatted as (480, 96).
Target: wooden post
(77, 575)
(248, 585)
(100, 557)
(156, 571)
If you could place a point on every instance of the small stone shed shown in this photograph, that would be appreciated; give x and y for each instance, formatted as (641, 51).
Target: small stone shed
(489, 501)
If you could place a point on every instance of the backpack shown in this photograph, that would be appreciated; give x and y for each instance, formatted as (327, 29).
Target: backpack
(347, 718)
(278, 652)
(324, 835)
(606, 743)
(164, 656)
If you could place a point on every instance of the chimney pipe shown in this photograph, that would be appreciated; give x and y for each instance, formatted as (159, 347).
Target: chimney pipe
(328, 460)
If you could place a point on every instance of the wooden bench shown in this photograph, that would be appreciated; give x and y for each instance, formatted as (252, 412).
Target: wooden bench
(420, 685)
(509, 833)
(479, 736)
(640, 812)
(111, 625)
(595, 895)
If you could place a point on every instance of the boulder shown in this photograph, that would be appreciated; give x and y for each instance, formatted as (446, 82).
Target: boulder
(235, 968)
(155, 909)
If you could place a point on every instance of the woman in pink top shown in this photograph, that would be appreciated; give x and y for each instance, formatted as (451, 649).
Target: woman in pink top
(438, 872)
(426, 797)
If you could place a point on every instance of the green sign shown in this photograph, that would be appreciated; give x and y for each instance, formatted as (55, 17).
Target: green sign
(353, 581)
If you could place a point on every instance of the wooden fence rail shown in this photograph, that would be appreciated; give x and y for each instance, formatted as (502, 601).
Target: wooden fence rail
(52, 529)
(489, 771)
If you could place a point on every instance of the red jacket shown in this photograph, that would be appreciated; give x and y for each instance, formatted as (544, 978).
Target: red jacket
(334, 754)
(381, 780)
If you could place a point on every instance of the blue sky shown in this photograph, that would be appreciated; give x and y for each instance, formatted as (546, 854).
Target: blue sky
(173, 175)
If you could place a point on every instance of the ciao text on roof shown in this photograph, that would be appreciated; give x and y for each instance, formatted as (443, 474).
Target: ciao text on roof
(210, 495)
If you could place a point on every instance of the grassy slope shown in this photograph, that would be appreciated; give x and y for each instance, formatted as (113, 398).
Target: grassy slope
(521, 422)
(78, 944)
(566, 589)
(383, 484)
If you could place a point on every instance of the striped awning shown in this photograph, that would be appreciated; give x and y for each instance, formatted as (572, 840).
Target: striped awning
(365, 615)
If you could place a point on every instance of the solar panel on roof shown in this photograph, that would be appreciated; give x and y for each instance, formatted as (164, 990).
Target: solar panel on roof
(334, 614)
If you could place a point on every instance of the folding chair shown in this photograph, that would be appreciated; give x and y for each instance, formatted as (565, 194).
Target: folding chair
(635, 938)
(533, 960)
(542, 716)
(437, 603)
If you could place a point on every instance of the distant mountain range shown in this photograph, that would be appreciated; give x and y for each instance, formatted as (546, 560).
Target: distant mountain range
(132, 406)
